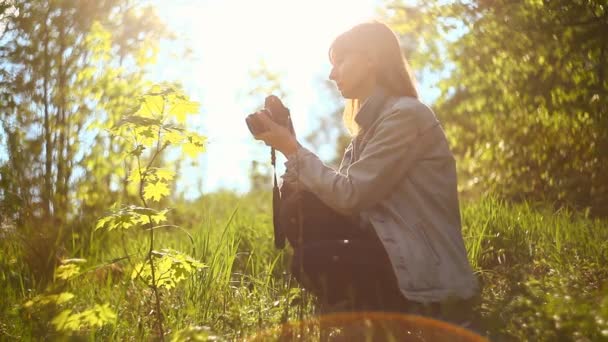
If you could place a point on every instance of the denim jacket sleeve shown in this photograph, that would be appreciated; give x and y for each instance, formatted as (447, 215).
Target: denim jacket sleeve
(289, 176)
(386, 158)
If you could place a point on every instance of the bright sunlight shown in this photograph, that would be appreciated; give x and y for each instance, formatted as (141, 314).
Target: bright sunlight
(229, 39)
(135, 204)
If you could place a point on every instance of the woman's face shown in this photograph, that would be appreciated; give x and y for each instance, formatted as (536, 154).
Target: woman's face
(353, 73)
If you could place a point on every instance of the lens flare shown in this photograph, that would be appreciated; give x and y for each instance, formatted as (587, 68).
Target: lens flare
(367, 326)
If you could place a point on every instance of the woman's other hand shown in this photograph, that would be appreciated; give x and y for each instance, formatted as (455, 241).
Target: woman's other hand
(276, 136)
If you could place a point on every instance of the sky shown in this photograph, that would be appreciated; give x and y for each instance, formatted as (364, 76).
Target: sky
(228, 40)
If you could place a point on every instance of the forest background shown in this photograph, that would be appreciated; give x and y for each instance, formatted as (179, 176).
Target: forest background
(107, 230)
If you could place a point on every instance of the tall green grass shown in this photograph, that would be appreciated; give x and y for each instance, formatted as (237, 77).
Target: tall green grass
(541, 273)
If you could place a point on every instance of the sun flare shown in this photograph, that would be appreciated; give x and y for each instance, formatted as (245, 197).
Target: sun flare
(229, 39)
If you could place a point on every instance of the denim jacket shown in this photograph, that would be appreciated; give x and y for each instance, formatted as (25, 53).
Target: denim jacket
(399, 177)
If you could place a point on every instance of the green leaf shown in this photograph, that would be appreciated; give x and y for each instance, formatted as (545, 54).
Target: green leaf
(195, 145)
(134, 177)
(67, 271)
(42, 300)
(63, 297)
(146, 135)
(170, 268)
(141, 270)
(174, 136)
(96, 317)
(164, 174)
(160, 216)
(102, 222)
(125, 218)
(156, 191)
(105, 313)
(62, 320)
(181, 108)
(151, 106)
(156, 174)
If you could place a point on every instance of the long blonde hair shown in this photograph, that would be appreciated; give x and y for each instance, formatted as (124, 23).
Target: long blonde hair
(393, 73)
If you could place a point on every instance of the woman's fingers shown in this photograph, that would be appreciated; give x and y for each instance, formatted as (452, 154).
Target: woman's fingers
(264, 115)
(265, 137)
(266, 121)
(275, 135)
(261, 136)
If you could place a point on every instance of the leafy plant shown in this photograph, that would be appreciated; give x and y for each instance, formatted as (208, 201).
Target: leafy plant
(69, 319)
(155, 125)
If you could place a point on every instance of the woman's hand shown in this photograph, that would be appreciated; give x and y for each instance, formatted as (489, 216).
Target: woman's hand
(276, 135)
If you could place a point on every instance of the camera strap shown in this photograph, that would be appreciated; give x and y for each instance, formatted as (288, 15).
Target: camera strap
(279, 235)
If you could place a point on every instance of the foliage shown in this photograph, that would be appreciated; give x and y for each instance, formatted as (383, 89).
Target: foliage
(170, 267)
(538, 267)
(96, 317)
(68, 320)
(156, 124)
(67, 68)
(49, 299)
(67, 271)
(524, 103)
(542, 271)
(131, 216)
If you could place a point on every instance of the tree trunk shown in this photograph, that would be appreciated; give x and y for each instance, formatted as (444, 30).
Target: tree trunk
(48, 186)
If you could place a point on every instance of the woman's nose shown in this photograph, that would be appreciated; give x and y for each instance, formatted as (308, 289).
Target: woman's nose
(332, 74)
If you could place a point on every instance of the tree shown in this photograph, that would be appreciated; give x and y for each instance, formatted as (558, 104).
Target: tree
(525, 103)
(66, 66)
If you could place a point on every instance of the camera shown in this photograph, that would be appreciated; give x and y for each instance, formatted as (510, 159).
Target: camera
(278, 113)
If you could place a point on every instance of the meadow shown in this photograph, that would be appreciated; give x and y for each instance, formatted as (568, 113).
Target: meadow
(542, 275)
(97, 244)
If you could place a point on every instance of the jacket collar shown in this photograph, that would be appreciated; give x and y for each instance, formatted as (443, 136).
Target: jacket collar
(371, 108)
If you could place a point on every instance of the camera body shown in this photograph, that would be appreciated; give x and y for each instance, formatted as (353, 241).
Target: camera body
(280, 115)
(278, 112)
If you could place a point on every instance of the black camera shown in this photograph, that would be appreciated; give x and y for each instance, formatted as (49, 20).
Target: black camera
(288, 204)
(278, 113)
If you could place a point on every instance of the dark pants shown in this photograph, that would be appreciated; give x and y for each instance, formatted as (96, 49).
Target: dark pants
(356, 273)
(352, 272)
(342, 263)
(345, 264)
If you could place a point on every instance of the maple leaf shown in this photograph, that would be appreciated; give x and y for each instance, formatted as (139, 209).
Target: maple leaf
(174, 137)
(164, 174)
(195, 145)
(156, 191)
(160, 216)
(182, 108)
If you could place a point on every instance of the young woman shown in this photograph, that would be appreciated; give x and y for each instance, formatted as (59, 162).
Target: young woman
(396, 183)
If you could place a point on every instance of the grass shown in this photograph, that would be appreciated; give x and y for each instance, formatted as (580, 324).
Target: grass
(542, 274)
(543, 271)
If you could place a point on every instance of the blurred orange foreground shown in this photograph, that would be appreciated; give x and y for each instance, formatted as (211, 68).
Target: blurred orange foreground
(373, 326)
